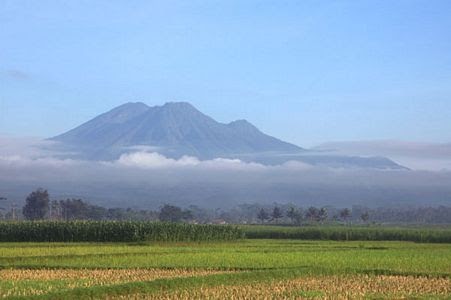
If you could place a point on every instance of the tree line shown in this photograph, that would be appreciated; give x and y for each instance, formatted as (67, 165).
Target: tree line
(38, 206)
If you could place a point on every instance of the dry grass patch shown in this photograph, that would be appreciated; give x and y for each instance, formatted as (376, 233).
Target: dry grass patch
(321, 287)
(27, 282)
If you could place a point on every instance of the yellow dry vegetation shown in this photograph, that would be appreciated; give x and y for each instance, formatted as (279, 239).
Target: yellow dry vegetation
(100, 276)
(23, 281)
(323, 287)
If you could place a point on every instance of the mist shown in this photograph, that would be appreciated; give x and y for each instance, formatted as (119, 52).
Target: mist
(147, 180)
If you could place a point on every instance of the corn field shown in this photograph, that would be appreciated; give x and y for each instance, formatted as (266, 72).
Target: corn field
(349, 233)
(112, 231)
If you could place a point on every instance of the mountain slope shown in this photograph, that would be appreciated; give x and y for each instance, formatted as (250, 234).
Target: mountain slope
(175, 129)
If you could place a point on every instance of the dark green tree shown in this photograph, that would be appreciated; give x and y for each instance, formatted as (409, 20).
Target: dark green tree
(322, 215)
(276, 213)
(295, 215)
(345, 214)
(365, 217)
(77, 209)
(2, 208)
(263, 215)
(171, 213)
(312, 214)
(1, 199)
(36, 205)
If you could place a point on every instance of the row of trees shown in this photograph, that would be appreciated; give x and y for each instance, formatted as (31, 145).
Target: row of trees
(312, 214)
(39, 206)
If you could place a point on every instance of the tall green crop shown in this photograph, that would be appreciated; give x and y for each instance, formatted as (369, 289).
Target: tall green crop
(111, 231)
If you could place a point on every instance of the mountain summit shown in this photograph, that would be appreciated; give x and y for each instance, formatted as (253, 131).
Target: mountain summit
(175, 129)
(178, 128)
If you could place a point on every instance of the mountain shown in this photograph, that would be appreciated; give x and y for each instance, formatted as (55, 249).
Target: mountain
(174, 129)
(177, 128)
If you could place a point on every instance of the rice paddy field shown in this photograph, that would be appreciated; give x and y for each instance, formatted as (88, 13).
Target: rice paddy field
(240, 269)
(145, 260)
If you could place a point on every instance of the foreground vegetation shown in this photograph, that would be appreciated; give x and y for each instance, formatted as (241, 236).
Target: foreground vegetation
(126, 231)
(350, 233)
(111, 231)
(246, 269)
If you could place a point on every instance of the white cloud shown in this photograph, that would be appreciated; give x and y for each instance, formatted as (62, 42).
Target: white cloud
(154, 160)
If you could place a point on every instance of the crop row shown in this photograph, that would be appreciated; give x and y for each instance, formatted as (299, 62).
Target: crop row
(321, 287)
(111, 231)
(349, 233)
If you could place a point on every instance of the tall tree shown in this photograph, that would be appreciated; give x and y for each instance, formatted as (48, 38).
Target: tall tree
(295, 215)
(322, 214)
(312, 214)
(36, 205)
(365, 217)
(2, 208)
(74, 209)
(171, 213)
(345, 214)
(276, 213)
(2, 198)
(55, 210)
(262, 215)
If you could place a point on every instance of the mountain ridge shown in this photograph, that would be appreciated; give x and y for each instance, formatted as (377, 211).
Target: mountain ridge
(178, 127)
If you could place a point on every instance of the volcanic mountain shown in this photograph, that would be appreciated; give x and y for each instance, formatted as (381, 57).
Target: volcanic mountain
(173, 129)
(176, 129)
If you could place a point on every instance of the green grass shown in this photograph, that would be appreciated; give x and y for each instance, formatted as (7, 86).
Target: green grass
(255, 260)
(311, 256)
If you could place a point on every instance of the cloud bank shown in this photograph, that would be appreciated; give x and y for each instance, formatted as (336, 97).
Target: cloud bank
(148, 179)
(415, 155)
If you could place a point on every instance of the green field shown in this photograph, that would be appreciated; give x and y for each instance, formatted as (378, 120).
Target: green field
(243, 269)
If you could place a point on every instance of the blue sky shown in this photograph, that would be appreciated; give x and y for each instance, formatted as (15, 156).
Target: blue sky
(304, 71)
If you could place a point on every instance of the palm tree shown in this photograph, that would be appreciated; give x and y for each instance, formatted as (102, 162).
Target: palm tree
(276, 213)
(312, 213)
(322, 214)
(262, 215)
(2, 198)
(345, 214)
(295, 215)
(365, 217)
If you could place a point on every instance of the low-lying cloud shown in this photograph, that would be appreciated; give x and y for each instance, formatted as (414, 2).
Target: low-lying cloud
(148, 179)
(415, 155)
(153, 160)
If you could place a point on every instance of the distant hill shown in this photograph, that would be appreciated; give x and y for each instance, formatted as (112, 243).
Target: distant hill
(177, 128)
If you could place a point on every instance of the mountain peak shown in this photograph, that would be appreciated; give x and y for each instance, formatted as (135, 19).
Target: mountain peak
(178, 108)
(176, 128)
(240, 122)
(132, 105)
(178, 104)
(242, 125)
